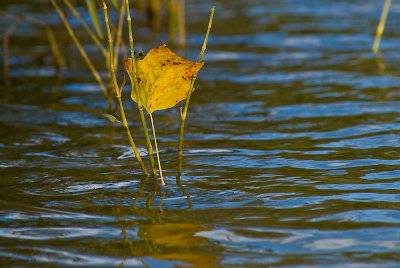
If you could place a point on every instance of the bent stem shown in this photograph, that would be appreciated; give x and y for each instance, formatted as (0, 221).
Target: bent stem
(381, 26)
(135, 87)
(83, 53)
(185, 109)
(118, 91)
(59, 60)
(86, 27)
(158, 156)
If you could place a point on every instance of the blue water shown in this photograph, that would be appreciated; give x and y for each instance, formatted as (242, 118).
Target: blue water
(291, 146)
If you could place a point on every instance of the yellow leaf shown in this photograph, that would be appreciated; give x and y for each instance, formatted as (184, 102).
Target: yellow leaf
(163, 78)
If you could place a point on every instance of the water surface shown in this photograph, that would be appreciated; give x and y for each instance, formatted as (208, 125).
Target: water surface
(291, 147)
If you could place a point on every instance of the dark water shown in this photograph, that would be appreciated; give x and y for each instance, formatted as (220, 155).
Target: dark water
(291, 147)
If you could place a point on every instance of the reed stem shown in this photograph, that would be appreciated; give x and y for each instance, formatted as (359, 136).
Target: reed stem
(185, 109)
(92, 8)
(86, 27)
(135, 87)
(54, 48)
(155, 13)
(181, 23)
(49, 33)
(381, 26)
(118, 92)
(6, 38)
(172, 20)
(83, 53)
(158, 156)
(119, 32)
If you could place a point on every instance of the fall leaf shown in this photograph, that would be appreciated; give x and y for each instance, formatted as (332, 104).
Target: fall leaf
(163, 78)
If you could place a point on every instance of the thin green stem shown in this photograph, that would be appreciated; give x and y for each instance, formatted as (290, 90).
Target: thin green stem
(119, 32)
(135, 86)
(86, 27)
(128, 133)
(158, 156)
(83, 53)
(381, 26)
(92, 8)
(118, 93)
(185, 109)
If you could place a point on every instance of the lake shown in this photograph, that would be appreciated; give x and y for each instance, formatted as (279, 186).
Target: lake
(291, 155)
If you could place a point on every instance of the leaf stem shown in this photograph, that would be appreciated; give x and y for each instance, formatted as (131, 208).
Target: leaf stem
(158, 156)
(118, 92)
(185, 109)
(381, 26)
(135, 87)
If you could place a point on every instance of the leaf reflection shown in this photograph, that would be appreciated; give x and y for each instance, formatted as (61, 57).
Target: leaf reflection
(156, 241)
(162, 236)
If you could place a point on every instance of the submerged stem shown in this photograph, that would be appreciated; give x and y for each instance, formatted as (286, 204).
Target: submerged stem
(185, 109)
(158, 156)
(119, 33)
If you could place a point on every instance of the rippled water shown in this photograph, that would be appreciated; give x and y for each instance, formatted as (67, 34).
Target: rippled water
(291, 148)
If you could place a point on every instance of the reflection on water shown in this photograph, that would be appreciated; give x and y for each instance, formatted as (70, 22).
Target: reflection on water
(291, 148)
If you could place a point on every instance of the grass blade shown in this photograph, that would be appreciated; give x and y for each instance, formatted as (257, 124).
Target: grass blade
(92, 7)
(185, 109)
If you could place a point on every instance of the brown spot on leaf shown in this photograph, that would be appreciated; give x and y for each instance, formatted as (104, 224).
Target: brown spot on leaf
(139, 80)
(176, 63)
